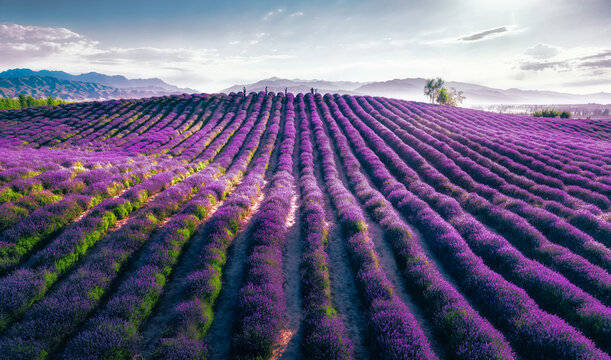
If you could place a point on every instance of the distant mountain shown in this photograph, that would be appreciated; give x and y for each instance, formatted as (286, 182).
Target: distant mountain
(45, 86)
(120, 84)
(411, 89)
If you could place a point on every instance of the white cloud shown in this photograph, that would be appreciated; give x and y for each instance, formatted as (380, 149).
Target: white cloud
(542, 51)
(486, 34)
(61, 49)
(574, 67)
(298, 13)
(16, 32)
(477, 37)
(272, 13)
(19, 43)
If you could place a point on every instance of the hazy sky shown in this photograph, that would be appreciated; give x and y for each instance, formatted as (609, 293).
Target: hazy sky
(559, 45)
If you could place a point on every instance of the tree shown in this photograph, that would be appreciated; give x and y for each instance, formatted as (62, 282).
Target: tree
(437, 93)
(443, 97)
(22, 101)
(432, 88)
(456, 96)
(30, 101)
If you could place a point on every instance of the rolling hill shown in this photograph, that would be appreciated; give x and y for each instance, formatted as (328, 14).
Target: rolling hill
(327, 227)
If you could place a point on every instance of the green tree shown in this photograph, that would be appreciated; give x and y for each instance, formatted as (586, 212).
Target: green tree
(22, 101)
(433, 87)
(30, 101)
(443, 97)
(452, 97)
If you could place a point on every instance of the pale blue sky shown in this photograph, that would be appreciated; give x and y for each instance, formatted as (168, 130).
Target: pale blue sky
(208, 45)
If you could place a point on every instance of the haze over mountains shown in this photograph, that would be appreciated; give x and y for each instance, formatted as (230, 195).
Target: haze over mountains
(89, 86)
(96, 86)
(411, 89)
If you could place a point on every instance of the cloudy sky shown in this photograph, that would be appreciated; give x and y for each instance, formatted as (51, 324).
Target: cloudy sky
(561, 45)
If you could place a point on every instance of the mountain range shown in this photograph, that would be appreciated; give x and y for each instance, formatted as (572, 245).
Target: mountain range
(96, 86)
(89, 86)
(412, 89)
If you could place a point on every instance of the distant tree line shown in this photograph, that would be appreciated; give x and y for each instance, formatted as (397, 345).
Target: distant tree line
(551, 113)
(23, 102)
(436, 92)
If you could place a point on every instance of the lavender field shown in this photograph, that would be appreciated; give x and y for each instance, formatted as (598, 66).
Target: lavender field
(281, 226)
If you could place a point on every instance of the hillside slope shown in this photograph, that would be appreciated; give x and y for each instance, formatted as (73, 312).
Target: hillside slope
(306, 226)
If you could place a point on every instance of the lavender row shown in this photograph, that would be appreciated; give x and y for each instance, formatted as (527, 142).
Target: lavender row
(552, 291)
(325, 336)
(513, 165)
(91, 280)
(507, 306)
(556, 148)
(544, 185)
(18, 240)
(130, 237)
(591, 278)
(465, 332)
(192, 316)
(25, 286)
(212, 118)
(101, 122)
(47, 323)
(203, 142)
(153, 136)
(189, 124)
(29, 194)
(554, 228)
(404, 338)
(26, 195)
(536, 130)
(582, 183)
(261, 299)
(584, 220)
(135, 298)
